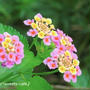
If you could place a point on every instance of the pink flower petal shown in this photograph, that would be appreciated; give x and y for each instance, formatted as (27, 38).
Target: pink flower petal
(32, 33)
(60, 33)
(55, 53)
(78, 70)
(62, 48)
(1, 38)
(73, 48)
(57, 44)
(11, 56)
(74, 56)
(2, 50)
(39, 15)
(6, 34)
(19, 44)
(28, 22)
(9, 64)
(55, 38)
(52, 65)
(69, 39)
(3, 64)
(18, 59)
(15, 39)
(47, 40)
(3, 57)
(19, 50)
(67, 76)
(47, 60)
(74, 78)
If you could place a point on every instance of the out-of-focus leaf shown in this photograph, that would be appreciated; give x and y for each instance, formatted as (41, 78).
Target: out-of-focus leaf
(35, 83)
(38, 83)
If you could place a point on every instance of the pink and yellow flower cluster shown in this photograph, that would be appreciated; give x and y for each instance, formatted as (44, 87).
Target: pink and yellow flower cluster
(64, 55)
(11, 50)
(42, 27)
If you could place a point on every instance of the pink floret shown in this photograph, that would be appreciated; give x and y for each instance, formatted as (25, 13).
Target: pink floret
(47, 40)
(28, 22)
(32, 33)
(1, 38)
(9, 64)
(67, 76)
(52, 65)
(47, 60)
(39, 15)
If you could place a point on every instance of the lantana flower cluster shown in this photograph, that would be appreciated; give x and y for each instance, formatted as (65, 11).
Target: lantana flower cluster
(42, 27)
(11, 50)
(64, 55)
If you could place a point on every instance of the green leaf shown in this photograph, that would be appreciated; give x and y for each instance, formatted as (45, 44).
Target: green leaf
(43, 50)
(38, 83)
(35, 83)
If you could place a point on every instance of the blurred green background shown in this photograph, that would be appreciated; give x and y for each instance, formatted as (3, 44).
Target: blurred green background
(71, 16)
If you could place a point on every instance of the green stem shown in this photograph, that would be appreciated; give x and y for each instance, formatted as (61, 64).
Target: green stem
(33, 42)
(10, 78)
(31, 45)
(23, 77)
(46, 73)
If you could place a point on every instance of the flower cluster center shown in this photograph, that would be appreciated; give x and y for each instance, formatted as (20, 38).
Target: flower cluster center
(64, 61)
(43, 27)
(8, 44)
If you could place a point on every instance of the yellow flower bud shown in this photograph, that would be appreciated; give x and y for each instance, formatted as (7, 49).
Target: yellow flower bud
(43, 19)
(5, 44)
(37, 18)
(75, 62)
(62, 69)
(63, 42)
(41, 34)
(52, 26)
(8, 40)
(34, 25)
(53, 33)
(48, 21)
(67, 53)
(73, 70)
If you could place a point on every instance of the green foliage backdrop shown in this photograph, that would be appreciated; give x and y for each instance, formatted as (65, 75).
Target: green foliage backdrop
(72, 16)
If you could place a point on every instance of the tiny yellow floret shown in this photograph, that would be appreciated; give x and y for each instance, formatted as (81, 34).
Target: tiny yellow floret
(48, 21)
(41, 35)
(62, 69)
(34, 25)
(8, 40)
(5, 44)
(53, 33)
(52, 26)
(67, 53)
(73, 70)
(43, 19)
(63, 42)
(75, 62)
(37, 18)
